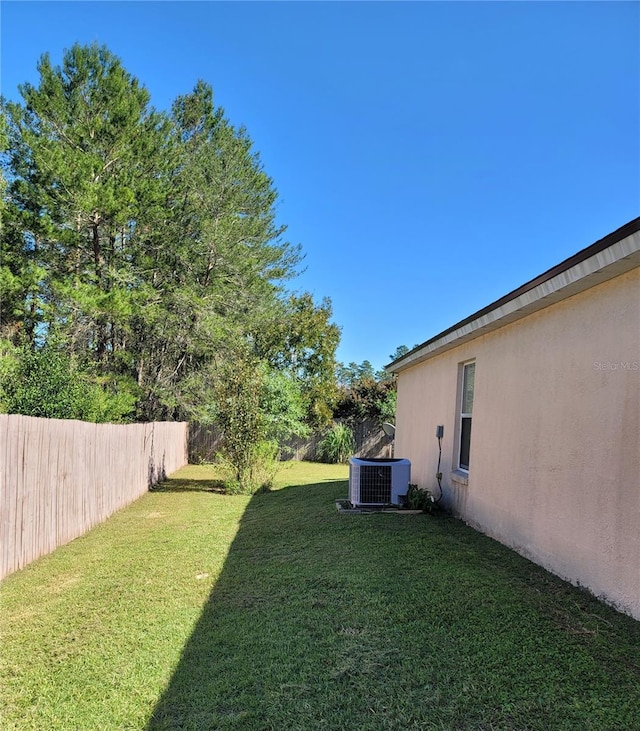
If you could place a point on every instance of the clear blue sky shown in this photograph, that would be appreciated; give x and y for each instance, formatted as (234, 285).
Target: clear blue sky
(430, 156)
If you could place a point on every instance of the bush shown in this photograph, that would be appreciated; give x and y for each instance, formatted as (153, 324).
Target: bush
(41, 383)
(367, 398)
(241, 420)
(48, 383)
(262, 465)
(256, 408)
(337, 445)
(418, 499)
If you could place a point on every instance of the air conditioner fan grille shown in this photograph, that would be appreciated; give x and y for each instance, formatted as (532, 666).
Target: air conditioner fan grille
(375, 484)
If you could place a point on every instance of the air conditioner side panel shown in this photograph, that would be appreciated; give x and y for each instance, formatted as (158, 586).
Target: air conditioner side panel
(400, 479)
(354, 483)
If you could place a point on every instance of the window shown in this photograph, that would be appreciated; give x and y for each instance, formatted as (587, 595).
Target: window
(468, 372)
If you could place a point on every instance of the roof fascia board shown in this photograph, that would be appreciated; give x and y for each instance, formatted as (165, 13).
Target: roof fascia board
(617, 258)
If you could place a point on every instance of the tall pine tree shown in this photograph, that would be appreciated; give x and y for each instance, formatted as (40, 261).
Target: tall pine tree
(148, 244)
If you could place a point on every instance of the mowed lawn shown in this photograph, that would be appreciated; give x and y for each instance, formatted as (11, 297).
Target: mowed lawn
(195, 610)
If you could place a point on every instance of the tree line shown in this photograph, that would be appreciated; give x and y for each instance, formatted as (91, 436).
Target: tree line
(144, 275)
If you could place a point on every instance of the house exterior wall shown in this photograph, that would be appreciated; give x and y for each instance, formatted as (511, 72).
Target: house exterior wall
(555, 441)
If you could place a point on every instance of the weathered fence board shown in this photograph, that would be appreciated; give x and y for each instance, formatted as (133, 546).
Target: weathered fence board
(370, 441)
(60, 478)
(204, 442)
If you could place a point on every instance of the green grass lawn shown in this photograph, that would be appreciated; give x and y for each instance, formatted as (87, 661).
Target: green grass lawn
(195, 610)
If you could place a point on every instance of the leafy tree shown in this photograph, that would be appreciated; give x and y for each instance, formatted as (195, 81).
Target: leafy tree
(297, 336)
(283, 406)
(82, 149)
(18, 275)
(366, 394)
(241, 419)
(367, 399)
(48, 383)
(399, 352)
(348, 376)
(148, 243)
(219, 259)
(257, 408)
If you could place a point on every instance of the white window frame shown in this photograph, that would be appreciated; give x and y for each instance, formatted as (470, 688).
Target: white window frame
(462, 415)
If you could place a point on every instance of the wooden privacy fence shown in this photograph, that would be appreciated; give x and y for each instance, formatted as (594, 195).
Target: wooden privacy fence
(60, 478)
(204, 442)
(370, 440)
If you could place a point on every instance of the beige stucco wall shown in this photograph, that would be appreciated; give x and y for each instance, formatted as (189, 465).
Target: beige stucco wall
(555, 446)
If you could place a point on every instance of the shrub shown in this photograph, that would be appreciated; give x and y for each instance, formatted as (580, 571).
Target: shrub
(337, 445)
(48, 383)
(418, 499)
(262, 463)
(256, 409)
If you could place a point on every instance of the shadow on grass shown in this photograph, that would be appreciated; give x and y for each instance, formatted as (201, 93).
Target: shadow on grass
(277, 626)
(180, 485)
(328, 621)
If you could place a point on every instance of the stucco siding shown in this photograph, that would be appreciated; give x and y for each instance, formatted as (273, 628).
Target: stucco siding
(555, 442)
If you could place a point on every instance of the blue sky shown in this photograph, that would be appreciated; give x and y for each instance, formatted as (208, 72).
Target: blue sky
(430, 156)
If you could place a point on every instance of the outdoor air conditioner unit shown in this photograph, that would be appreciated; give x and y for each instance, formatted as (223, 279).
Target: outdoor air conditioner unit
(378, 482)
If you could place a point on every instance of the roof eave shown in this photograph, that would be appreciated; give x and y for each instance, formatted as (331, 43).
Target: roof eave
(613, 255)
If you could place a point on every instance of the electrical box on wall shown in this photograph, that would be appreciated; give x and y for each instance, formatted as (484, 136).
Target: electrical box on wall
(439, 431)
